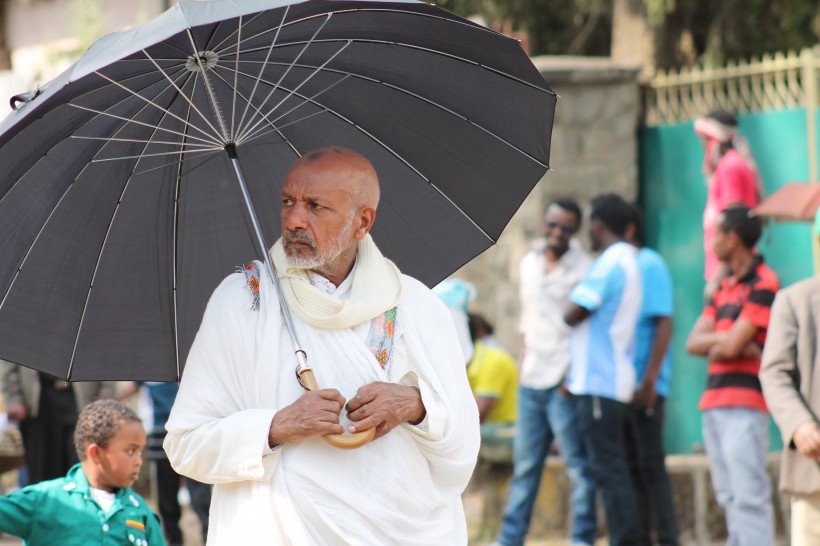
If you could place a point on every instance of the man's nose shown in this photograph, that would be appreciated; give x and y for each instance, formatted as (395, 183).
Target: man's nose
(295, 218)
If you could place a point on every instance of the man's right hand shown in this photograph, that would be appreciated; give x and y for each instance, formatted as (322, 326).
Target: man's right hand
(315, 413)
(17, 412)
(807, 439)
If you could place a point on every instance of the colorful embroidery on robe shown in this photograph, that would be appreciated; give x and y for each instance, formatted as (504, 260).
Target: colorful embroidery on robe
(252, 277)
(135, 524)
(380, 340)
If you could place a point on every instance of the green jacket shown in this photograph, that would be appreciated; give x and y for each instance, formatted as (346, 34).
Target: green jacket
(63, 512)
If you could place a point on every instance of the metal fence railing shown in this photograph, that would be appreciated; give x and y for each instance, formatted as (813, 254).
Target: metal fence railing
(773, 82)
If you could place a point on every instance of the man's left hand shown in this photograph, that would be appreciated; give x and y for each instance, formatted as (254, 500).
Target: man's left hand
(384, 406)
(645, 395)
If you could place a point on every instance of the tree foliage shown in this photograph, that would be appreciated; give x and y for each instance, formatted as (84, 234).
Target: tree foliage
(682, 32)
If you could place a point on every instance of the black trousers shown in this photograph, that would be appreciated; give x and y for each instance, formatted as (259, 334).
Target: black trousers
(168, 483)
(49, 438)
(647, 466)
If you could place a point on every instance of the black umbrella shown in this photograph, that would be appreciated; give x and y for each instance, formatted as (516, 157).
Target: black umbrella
(120, 210)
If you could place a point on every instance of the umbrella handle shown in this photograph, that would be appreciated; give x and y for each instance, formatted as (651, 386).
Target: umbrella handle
(342, 441)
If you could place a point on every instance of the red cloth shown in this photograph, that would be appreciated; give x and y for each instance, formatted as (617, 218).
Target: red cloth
(733, 182)
(734, 383)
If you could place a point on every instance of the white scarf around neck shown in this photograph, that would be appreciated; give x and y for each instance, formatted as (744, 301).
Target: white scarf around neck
(376, 288)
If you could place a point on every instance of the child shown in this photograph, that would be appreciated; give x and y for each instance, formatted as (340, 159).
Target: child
(94, 503)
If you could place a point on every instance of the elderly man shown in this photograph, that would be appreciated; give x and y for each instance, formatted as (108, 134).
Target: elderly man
(383, 348)
(792, 391)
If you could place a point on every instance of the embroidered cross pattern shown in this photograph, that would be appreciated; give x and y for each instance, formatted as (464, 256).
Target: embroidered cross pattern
(381, 338)
(252, 277)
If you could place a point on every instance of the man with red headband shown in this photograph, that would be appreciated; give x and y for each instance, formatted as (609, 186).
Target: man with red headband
(731, 178)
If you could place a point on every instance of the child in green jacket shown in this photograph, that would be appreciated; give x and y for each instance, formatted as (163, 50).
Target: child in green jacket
(94, 503)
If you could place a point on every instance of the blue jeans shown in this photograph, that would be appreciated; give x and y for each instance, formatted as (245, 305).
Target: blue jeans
(543, 415)
(736, 441)
(647, 464)
(603, 423)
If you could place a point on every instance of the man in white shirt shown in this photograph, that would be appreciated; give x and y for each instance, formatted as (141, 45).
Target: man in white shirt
(549, 272)
(383, 349)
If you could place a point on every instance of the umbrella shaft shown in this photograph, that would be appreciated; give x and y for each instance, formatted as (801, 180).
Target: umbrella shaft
(269, 267)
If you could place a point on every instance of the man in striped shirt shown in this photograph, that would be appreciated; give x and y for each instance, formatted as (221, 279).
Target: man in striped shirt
(730, 333)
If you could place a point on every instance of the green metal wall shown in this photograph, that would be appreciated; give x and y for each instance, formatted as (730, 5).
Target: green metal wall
(673, 194)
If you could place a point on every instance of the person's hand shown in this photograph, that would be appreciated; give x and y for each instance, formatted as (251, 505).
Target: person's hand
(645, 396)
(564, 391)
(751, 351)
(807, 439)
(705, 324)
(384, 406)
(315, 413)
(17, 412)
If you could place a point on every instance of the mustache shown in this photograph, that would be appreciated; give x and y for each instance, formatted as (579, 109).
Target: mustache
(302, 237)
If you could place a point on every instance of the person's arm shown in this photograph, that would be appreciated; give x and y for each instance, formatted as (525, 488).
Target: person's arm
(576, 314)
(703, 336)
(17, 512)
(485, 405)
(12, 388)
(778, 372)
(645, 394)
(733, 343)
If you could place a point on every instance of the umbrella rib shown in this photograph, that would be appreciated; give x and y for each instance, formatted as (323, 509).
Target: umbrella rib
(158, 154)
(100, 254)
(175, 258)
(348, 74)
(209, 90)
(231, 35)
(287, 71)
(271, 122)
(261, 68)
(235, 79)
(252, 130)
(155, 105)
(410, 46)
(392, 152)
(131, 120)
(184, 96)
(380, 10)
(139, 141)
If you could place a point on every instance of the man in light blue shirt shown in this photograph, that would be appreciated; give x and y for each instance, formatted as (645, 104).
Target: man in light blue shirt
(604, 309)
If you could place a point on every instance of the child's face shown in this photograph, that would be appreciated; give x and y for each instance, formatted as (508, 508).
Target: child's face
(121, 460)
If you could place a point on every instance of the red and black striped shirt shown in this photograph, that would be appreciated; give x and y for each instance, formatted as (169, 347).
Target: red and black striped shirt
(734, 383)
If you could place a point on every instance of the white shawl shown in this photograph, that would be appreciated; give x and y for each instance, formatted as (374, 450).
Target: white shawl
(403, 488)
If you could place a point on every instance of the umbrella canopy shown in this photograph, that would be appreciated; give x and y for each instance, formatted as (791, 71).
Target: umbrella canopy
(120, 210)
(795, 202)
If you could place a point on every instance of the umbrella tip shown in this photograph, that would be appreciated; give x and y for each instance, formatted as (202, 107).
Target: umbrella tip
(18, 101)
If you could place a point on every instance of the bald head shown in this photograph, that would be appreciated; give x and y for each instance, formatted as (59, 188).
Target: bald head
(352, 171)
(329, 199)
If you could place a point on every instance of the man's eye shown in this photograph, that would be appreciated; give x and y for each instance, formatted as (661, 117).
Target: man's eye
(287, 202)
(316, 206)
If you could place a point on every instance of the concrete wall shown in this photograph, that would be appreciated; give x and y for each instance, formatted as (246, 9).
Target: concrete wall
(594, 149)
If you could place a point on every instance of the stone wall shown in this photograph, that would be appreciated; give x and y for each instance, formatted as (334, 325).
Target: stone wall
(701, 521)
(594, 149)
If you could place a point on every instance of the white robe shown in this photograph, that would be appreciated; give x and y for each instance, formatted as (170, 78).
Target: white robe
(404, 488)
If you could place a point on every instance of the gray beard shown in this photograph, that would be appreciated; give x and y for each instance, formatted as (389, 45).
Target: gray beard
(319, 261)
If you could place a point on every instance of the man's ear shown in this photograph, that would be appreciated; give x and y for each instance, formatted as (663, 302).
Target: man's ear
(92, 452)
(364, 221)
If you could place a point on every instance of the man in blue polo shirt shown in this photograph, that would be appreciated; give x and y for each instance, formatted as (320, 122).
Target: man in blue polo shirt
(604, 309)
(653, 365)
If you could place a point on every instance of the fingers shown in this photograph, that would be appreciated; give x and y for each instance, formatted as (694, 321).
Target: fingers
(367, 423)
(331, 394)
(364, 395)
